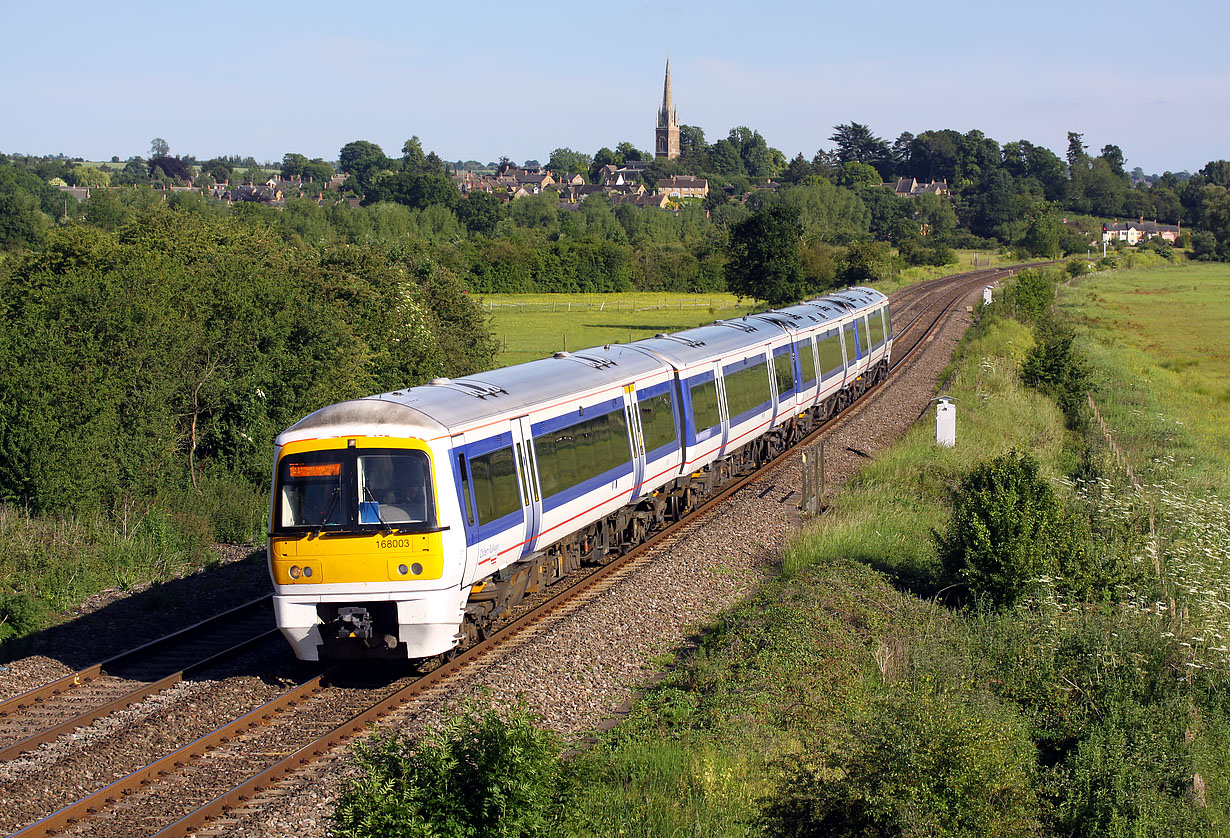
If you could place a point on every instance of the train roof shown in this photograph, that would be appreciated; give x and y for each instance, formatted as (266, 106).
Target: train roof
(447, 406)
(704, 343)
(450, 405)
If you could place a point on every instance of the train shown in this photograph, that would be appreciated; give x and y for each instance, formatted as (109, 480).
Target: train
(404, 524)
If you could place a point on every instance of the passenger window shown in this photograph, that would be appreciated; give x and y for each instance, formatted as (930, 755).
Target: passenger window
(746, 389)
(705, 413)
(495, 485)
(783, 368)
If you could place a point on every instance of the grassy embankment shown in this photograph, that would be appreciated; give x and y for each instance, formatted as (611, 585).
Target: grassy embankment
(1078, 717)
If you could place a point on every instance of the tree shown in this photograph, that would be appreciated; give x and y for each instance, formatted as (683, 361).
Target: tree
(171, 167)
(865, 262)
(362, 160)
(413, 159)
(565, 162)
(901, 150)
(158, 147)
(1076, 149)
(479, 212)
(764, 258)
(856, 144)
(413, 189)
(1007, 529)
(292, 165)
(1042, 235)
(797, 169)
(852, 175)
(317, 170)
(90, 176)
(625, 152)
(1217, 172)
(219, 170)
(725, 158)
(1113, 155)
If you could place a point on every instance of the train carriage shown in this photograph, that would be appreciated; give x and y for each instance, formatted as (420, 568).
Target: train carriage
(403, 524)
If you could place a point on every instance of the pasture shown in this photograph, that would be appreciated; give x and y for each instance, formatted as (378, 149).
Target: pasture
(532, 326)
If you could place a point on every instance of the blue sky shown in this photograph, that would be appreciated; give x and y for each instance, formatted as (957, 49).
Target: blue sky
(479, 80)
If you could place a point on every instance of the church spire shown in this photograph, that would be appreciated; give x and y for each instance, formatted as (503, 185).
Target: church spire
(666, 136)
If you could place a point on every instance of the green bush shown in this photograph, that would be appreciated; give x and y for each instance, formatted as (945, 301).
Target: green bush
(482, 773)
(1054, 366)
(19, 614)
(912, 763)
(1007, 530)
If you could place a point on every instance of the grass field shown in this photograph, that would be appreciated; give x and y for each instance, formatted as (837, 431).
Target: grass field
(532, 326)
(1159, 342)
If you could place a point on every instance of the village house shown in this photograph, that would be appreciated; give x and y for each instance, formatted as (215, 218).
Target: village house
(908, 187)
(1134, 232)
(684, 186)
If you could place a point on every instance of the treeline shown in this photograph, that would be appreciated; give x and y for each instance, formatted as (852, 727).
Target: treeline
(143, 360)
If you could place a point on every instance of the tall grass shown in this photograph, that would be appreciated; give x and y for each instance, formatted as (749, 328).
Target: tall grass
(49, 565)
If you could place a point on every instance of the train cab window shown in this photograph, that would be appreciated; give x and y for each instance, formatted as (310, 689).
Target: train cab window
(495, 485)
(830, 354)
(313, 491)
(807, 362)
(395, 489)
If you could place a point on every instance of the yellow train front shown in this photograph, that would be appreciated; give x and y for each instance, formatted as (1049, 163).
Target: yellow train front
(359, 540)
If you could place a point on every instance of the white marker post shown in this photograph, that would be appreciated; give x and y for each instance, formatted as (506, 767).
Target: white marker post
(945, 422)
(986, 295)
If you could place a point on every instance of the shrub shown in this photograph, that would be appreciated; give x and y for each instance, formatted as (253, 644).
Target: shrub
(913, 763)
(1054, 366)
(1007, 529)
(480, 774)
(19, 614)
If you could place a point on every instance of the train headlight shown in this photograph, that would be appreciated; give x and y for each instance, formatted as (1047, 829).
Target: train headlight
(307, 571)
(402, 569)
(295, 571)
(416, 569)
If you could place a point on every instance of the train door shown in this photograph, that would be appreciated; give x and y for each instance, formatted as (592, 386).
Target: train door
(527, 469)
(719, 381)
(465, 492)
(636, 436)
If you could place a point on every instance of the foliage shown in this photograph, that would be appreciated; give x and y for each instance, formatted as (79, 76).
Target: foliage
(765, 261)
(181, 344)
(1055, 367)
(481, 773)
(1007, 531)
(866, 262)
(912, 763)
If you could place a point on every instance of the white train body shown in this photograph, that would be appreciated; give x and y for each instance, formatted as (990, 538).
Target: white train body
(404, 522)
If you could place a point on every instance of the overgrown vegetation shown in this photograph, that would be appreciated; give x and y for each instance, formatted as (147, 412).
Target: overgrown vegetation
(481, 773)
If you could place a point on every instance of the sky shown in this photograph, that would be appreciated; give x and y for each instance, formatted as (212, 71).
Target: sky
(481, 80)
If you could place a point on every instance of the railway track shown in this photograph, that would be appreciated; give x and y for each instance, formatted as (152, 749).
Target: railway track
(74, 701)
(227, 769)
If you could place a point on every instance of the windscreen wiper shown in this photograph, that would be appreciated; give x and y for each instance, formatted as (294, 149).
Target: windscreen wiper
(324, 519)
(384, 527)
